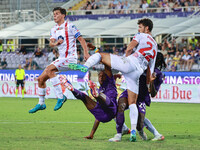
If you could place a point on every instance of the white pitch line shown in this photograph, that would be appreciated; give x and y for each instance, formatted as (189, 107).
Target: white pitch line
(42, 122)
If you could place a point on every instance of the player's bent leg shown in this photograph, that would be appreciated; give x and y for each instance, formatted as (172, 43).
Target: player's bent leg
(105, 59)
(140, 126)
(89, 103)
(41, 92)
(103, 100)
(51, 72)
(122, 105)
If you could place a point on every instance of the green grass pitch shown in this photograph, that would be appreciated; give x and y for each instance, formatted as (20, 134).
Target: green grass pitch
(65, 128)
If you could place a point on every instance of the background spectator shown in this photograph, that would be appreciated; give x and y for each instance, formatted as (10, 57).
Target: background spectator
(1, 46)
(145, 5)
(32, 65)
(80, 57)
(10, 47)
(23, 50)
(38, 53)
(56, 55)
(153, 5)
(26, 64)
(4, 63)
(51, 56)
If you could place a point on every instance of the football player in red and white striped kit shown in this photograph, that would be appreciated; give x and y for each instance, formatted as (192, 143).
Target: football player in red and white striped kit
(63, 35)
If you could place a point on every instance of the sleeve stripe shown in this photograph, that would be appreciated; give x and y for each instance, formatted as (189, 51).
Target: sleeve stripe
(77, 35)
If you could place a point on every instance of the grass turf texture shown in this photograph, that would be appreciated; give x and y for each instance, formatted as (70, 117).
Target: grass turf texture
(65, 128)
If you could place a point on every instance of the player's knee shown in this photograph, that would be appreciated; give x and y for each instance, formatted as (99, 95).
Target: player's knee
(122, 105)
(40, 80)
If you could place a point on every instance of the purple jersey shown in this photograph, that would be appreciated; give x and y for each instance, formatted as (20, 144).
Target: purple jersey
(105, 114)
(109, 88)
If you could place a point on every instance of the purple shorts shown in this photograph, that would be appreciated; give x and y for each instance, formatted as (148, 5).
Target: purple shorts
(140, 105)
(104, 114)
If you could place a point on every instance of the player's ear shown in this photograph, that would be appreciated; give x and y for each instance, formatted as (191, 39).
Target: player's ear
(146, 29)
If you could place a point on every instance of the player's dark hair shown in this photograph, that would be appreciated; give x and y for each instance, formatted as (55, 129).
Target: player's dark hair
(147, 23)
(160, 61)
(62, 10)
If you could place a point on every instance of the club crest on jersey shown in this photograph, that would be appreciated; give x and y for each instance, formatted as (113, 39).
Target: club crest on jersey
(61, 37)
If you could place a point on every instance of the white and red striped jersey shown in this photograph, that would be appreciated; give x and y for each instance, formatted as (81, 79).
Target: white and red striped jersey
(146, 50)
(69, 33)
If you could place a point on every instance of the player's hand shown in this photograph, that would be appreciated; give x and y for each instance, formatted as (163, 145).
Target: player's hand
(60, 41)
(153, 77)
(89, 137)
(91, 46)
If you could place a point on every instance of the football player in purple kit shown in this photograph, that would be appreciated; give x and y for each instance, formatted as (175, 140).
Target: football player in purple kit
(143, 100)
(104, 108)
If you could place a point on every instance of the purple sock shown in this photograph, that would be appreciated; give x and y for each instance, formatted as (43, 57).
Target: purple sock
(119, 121)
(78, 94)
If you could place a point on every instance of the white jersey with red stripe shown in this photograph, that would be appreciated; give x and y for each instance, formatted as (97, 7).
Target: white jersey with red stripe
(69, 33)
(145, 52)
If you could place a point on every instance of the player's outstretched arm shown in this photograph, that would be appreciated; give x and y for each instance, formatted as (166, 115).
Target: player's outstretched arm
(130, 47)
(94, 128)
(84, 46)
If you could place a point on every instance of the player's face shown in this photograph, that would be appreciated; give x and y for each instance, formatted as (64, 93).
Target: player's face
(142, 28)
(57, 16)
(101, 77)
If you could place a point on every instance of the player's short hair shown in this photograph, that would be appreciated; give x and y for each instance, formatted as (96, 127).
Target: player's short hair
(62, 10)
(146, 22)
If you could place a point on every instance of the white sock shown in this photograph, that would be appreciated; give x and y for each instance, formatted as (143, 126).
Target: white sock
(56, 83)
(133, 116)
(150, 127)
(41, 94)
(93, 60)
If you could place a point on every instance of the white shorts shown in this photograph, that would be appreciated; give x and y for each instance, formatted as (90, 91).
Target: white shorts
(130, 71)
(62, 63)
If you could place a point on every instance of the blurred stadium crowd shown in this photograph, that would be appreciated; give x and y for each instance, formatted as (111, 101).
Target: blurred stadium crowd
(142, 6)
(182, 56)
